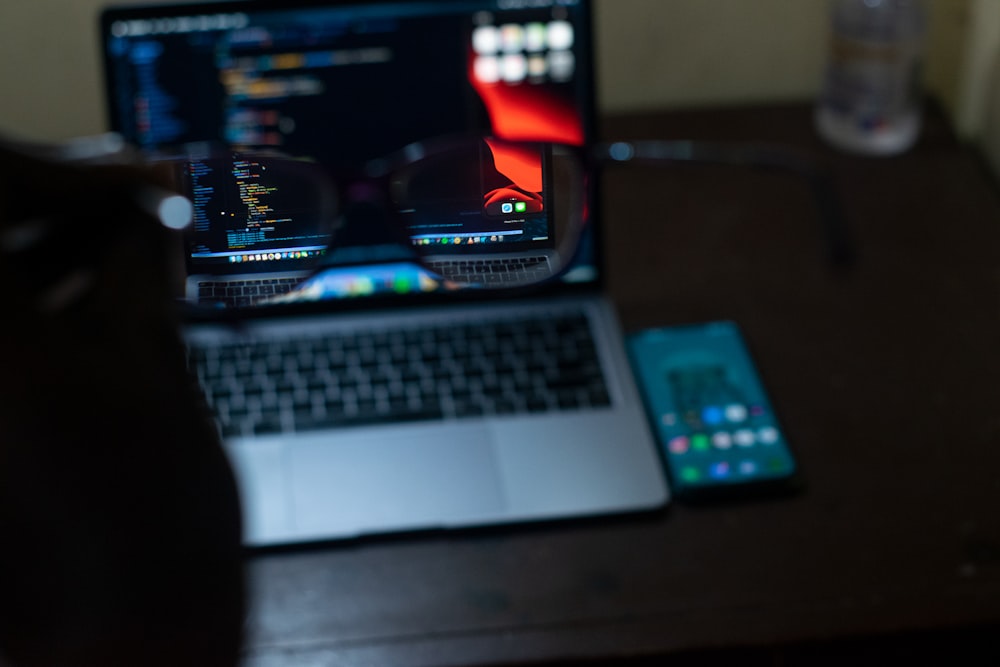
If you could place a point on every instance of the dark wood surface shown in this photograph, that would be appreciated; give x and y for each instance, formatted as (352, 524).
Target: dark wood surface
(886, 374)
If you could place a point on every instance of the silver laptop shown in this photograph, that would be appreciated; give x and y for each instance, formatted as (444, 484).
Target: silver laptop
(382, 401)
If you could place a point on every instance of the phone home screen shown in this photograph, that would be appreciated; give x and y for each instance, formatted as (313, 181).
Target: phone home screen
(709, 409)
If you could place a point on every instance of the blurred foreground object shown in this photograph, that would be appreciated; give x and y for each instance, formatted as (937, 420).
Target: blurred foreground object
(118, 509)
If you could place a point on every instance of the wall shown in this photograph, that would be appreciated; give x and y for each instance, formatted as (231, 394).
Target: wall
(651, 54)
(980, 103)
(698, 52)
(57, 95)
(691, 52)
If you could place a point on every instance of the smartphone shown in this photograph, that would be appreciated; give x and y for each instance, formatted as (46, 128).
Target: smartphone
(715, 422)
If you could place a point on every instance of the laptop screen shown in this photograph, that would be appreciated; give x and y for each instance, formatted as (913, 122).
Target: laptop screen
(342, 84)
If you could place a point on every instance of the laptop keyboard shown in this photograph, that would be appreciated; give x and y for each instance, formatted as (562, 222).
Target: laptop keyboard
(529, 365)
(238, 293)
(499, 271)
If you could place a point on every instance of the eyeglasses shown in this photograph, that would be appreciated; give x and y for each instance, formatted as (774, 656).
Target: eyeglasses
(262, 229)
(451, 214)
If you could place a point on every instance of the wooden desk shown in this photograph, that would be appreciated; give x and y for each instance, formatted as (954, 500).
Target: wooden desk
(887, 375)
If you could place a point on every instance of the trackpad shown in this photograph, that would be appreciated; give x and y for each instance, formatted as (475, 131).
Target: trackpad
(353, 483)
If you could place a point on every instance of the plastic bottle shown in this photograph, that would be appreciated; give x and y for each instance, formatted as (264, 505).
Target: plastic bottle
(871, 96)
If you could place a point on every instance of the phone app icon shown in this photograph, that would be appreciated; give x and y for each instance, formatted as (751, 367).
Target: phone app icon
(719, 470)
(744, 438)
(776, 465)
(537, 66)
(520, 207)
(736, 413)
(514, 67)
(535, 37)
(560, 35)
(722, 440)
(679, 445)
(699, 442)
(690, 474)
(486, 39)
(768, 435)
(712, 415)
(511, 37)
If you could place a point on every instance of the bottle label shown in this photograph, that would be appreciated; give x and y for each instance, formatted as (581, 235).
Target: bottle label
(874, 83)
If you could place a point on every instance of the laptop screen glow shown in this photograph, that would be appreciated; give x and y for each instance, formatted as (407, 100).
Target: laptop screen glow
(343, 83)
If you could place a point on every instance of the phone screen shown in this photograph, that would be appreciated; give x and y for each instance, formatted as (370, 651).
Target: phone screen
(709, 408)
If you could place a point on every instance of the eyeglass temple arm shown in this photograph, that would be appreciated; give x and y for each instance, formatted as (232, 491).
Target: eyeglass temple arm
(839, 246)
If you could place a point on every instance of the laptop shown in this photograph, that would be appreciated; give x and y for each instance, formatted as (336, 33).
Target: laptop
(381, 401)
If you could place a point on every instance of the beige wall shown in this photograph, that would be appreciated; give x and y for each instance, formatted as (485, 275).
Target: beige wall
(697, 52)
(651, 54)
(980, 102)
(57, 96)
